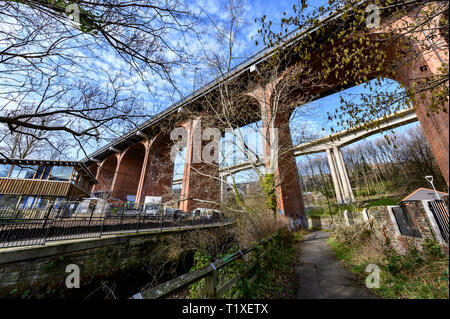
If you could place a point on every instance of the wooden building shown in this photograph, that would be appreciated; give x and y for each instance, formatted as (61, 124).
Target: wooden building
(29, 183)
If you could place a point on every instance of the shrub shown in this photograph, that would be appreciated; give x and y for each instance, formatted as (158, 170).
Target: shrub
(414, 274)
(432, 249)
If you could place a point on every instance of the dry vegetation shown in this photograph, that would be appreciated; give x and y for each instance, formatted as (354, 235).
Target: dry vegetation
(413, 275)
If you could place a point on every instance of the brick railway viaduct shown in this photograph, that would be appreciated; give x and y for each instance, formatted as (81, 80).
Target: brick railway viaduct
(332, 145)
(139, 162)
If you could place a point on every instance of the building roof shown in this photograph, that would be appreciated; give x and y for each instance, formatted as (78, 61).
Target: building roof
(423, 194)
(25, 161)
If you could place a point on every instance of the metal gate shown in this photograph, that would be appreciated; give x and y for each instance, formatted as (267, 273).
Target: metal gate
(405, 223)
(440, 213)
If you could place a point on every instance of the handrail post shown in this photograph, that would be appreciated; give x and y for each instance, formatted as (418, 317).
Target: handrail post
(45, 223)
(139, 220)
(101, 228)
(90, 218)
(162, 219)
(211, 283)
(121, 217)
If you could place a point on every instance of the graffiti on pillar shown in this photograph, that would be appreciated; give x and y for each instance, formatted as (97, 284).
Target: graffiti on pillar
(291, 224)
(304, 222)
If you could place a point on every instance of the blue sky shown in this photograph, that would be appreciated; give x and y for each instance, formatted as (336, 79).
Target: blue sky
(316, 115)
(99, 62)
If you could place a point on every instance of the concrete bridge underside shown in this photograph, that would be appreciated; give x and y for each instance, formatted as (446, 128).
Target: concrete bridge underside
(143, 165)
(332, 145)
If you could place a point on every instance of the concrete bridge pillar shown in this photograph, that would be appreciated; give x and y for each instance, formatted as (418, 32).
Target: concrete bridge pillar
(335, 177)
(199, 187)
(348, 193)
(341, 181)
(223, 186)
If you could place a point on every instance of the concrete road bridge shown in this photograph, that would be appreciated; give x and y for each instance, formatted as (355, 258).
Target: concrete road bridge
(139, 163)
(332, 144)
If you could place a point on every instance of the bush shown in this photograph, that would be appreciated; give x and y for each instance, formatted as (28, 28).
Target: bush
(415, 274)
(432, 249)
(278, 259)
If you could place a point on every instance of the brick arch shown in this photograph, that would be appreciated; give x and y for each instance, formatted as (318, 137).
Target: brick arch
(422, 63)
(198, 176)
(94, 168)
(245, 110)
(129, 171)
(105, 175)
(159, 169)
(395, 50)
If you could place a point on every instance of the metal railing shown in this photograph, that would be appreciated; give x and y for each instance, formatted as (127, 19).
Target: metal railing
(211, 274)
(25, 227)
(440, 213)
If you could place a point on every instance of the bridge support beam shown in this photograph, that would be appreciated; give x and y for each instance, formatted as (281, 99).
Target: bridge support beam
(144, 172)
(279, 156)
(430, 57)
(199, 188)
(157, 171)
(223, 186)
(347, 187)
(335, 177)
(339, 175)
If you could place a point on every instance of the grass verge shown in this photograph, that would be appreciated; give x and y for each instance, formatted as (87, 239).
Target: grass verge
(276, 276)
(415, 275)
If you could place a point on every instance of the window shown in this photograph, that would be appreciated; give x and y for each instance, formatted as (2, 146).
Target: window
(61, 173)
(39, 172)
(74, 176)
(8, 201)
(23, 171)
(44, 202)
(38, 202)
(23, 202)
(28, 202)
(58, 202)
(4, 170)
(46, 172)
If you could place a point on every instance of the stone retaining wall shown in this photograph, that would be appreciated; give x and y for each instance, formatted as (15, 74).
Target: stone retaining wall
(42, 269)
(385, 221)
